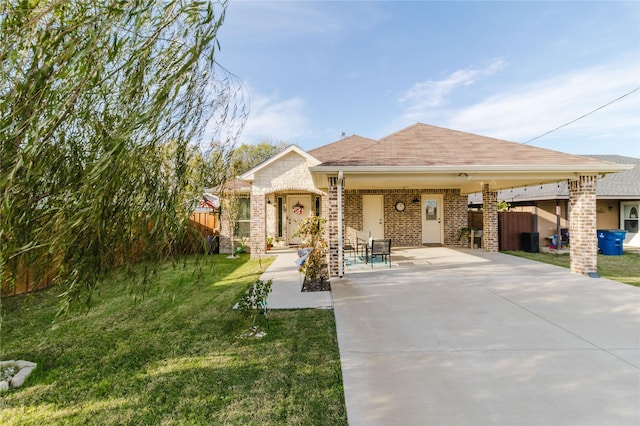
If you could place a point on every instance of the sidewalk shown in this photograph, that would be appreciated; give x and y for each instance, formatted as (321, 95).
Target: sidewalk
(287, 283)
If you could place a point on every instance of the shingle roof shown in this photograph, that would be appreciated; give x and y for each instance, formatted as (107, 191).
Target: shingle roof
(345, 151)
(622, 185)
(425, 145)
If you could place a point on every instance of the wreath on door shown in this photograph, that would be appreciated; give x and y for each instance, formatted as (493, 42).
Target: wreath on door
(298, 208)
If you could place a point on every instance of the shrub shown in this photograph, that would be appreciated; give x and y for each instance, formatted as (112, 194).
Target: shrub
(254, 301)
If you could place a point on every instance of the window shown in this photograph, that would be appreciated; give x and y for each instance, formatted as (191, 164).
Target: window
(280, 216)
(630, 216)
(318, 206)
(243, 227)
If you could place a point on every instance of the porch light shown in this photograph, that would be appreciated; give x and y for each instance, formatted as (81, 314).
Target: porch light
(463, 175)
(415, 200)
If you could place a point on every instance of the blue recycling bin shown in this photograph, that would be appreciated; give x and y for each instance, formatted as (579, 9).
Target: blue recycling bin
(611, 241)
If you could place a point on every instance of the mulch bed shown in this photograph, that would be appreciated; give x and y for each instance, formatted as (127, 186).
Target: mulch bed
(320, 285)
(323, 284)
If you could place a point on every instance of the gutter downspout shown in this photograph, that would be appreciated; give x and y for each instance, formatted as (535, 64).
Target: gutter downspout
(340, 243)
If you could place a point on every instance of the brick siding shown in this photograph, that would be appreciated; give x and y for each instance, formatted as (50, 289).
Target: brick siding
(331, 227)
(490, 242)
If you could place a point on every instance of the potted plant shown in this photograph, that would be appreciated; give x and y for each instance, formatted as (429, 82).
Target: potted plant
(464, 236)
(269, 242)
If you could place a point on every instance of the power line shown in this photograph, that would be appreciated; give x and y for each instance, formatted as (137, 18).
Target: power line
(583, 116)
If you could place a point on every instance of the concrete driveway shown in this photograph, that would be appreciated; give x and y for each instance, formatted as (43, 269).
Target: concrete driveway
(453, 337)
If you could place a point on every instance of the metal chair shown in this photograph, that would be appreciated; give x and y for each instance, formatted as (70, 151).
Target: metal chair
(362, 240)
(349, 247)
(380, 248)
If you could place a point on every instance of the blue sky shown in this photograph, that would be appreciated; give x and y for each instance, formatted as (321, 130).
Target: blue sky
(510, 70)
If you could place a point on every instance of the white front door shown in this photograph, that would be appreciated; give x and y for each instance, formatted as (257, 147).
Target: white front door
(432, 219)
(298, 208)
(373, 215)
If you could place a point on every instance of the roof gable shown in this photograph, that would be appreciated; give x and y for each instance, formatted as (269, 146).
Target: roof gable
(250, 174)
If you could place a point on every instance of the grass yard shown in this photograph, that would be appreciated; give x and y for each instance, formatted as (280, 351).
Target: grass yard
(173, 357)
(625, 268)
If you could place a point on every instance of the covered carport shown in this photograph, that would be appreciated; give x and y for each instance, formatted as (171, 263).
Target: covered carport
(433, 160)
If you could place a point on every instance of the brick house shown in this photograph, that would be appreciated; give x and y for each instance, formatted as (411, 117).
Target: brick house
(412, 187)
(617, 202)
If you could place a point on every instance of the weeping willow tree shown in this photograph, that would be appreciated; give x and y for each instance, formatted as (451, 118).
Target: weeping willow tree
(103, 104)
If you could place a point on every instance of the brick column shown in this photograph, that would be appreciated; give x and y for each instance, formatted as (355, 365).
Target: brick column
(332, 226)
(489, 219)
(258, 227)
(583, 241)
(226, 233)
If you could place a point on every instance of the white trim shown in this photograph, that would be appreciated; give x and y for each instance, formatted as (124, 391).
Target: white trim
(340, 220)
(558, 168)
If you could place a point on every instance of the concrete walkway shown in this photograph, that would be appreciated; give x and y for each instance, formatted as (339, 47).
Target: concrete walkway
(453, 337)
(287, 282)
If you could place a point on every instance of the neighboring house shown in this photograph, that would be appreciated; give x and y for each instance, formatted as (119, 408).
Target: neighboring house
(617, 202)
(412, 187)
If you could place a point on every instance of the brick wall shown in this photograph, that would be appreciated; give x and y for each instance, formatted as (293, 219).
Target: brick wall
(455, 216)
(582, 218)
(405, 228)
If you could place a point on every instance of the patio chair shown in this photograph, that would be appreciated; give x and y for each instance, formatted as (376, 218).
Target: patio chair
(380, 248)
(362, 240)
(349, 247)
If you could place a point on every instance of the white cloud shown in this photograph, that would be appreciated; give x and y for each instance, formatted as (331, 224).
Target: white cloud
(541, 106)
(433, 93)
(274, 119)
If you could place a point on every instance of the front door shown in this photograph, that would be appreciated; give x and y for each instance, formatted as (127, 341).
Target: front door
(373, 215)
(298, 208)
(432, 219)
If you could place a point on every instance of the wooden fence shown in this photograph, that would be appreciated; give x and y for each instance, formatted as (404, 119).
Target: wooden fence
(204, 223)
(475, 220)
(28, 280)
(511, 225)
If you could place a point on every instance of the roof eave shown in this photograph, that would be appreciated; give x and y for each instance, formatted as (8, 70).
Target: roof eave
(566, 168)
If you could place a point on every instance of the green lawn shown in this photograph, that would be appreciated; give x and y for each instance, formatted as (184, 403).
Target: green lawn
(173, 357)
(625, 268)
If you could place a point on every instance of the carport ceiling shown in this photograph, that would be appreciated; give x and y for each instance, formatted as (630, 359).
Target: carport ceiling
(467, 181)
